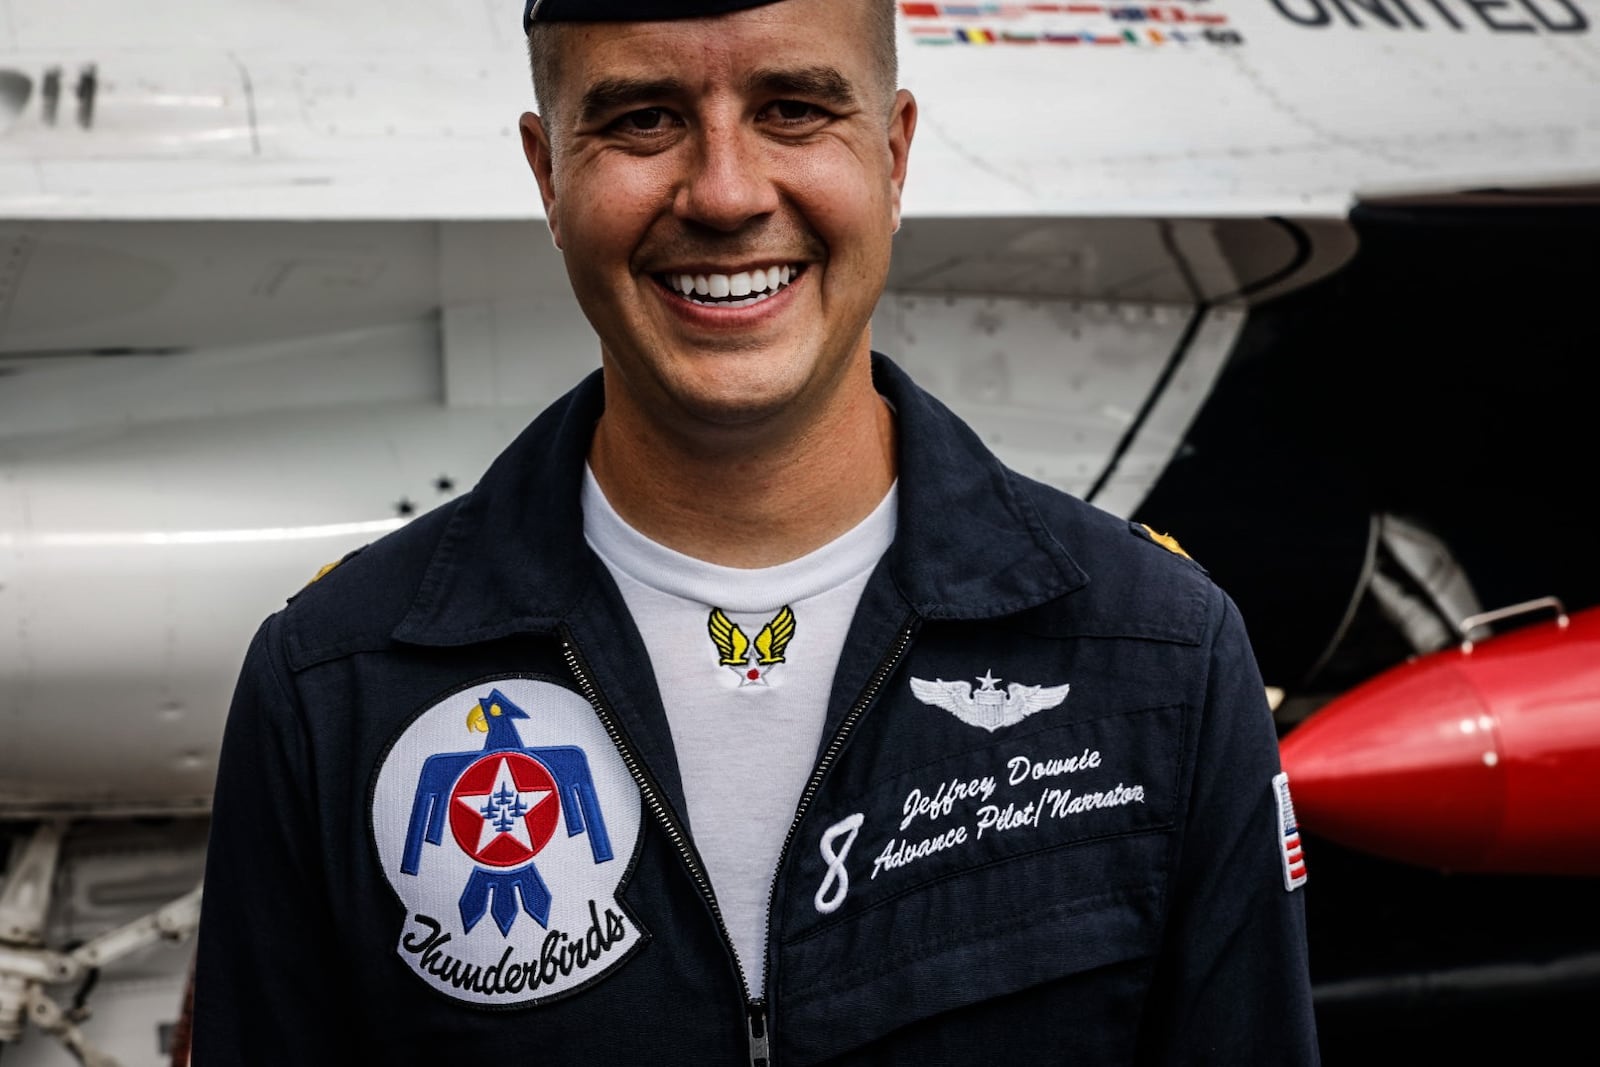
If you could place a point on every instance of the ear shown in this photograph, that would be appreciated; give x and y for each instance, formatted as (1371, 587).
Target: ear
(902, 126)
(536, 146)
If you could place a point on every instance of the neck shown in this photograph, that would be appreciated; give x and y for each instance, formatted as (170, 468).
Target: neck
(755, 498)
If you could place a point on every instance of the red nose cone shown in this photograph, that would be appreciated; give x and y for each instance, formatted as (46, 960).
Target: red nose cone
(1485, 759)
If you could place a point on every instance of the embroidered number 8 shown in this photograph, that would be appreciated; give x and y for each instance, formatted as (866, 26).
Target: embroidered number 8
(836, 883)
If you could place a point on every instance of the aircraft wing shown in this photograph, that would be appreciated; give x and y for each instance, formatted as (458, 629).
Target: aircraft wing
(253, 109)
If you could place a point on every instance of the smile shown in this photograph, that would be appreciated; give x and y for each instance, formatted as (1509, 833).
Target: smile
(731, 290)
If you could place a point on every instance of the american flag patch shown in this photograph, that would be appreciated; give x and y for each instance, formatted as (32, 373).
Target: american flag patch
(1294, 861)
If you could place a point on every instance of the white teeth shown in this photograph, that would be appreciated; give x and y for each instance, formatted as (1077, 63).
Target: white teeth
(732, 290)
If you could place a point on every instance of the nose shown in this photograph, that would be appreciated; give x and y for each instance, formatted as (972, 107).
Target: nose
(728, 183)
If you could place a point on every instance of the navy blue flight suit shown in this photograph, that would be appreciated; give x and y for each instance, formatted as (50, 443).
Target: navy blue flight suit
(1097, 881)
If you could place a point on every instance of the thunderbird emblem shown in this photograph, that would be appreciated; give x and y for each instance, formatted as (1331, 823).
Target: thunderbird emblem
(988, 707)
(500, 906)
(519, 789)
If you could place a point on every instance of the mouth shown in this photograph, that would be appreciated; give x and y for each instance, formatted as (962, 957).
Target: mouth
(743, 289)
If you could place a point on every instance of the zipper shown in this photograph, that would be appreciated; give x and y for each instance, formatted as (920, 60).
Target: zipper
(836, 744)
(651, 793)
(760, 1049)
(755, 1010)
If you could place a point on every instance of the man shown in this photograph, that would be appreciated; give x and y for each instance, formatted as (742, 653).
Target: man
(662, 745)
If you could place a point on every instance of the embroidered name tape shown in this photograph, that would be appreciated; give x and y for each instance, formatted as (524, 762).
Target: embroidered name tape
(505, 821)
(1113, 776)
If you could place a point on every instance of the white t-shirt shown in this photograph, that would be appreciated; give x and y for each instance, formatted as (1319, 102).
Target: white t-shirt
(745, 662)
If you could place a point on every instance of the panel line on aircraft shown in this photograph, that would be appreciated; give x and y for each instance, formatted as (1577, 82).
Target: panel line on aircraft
(112, 539)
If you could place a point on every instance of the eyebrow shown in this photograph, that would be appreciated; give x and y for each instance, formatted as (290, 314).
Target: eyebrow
(611, 94)
(821, 83)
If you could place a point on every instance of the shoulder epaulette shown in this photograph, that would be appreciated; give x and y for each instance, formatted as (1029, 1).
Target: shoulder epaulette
(1166, 541)
(323, 572)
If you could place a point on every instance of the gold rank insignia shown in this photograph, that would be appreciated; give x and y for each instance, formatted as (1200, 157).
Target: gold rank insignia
(323, 571)
(1166, 541)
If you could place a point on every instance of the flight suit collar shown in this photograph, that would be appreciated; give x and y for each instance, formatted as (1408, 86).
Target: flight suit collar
(969, 543)
(512, 558)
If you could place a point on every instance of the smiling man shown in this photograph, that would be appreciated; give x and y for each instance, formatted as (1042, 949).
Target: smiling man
(748, 710)
(725, 192)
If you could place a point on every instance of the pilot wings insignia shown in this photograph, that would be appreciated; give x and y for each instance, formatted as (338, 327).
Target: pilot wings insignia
(734, 648)
(988, 707)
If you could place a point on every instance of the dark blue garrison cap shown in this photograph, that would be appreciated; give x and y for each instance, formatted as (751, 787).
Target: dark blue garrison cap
(627, 10)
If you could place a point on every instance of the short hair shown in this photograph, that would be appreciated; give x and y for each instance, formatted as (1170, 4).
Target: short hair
(544, 54)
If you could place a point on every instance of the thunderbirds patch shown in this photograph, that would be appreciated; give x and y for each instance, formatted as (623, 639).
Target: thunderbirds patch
(502, 907)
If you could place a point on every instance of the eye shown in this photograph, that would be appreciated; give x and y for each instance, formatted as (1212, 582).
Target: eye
(644, 120)
(795, 112)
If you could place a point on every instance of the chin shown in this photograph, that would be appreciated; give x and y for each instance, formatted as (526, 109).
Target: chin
(750, 387)
(737, 411)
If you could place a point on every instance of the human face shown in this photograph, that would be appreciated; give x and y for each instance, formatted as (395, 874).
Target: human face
(757, 149)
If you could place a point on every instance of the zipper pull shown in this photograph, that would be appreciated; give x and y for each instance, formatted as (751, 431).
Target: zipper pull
(759, 1056)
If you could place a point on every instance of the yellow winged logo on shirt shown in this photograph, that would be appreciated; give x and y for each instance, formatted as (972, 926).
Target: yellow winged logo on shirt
(734, 647)
(773, 639)
(729, 639)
